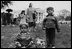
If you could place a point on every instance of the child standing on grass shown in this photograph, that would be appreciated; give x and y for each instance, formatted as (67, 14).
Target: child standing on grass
(22, 17)
(50, 24)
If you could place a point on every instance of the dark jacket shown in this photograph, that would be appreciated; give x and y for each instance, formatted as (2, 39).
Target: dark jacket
(55, 21)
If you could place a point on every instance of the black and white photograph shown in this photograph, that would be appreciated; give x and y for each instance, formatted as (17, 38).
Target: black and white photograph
(35, 24)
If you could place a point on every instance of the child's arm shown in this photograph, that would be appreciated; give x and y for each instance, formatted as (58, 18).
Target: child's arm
(57, 26)
(43, 25)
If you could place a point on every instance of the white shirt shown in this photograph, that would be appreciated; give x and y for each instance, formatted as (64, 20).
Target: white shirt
(23, 20)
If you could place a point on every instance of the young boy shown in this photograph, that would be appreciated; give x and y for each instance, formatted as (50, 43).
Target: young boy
(49, 25)
(23, 40)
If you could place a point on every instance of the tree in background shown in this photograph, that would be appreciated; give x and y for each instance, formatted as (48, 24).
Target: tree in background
(64, 14)
(5, 3)
(3, 14)
(68, 18)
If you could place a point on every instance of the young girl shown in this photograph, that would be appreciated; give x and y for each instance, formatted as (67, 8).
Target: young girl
(23, 40)
(23, 18)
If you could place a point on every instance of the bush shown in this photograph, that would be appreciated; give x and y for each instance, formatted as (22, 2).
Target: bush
(68, 18)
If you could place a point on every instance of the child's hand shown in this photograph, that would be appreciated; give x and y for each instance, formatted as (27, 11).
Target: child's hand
(18, 44)
(43, 28)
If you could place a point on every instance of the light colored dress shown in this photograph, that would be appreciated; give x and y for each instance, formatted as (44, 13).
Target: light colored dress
(23, 19)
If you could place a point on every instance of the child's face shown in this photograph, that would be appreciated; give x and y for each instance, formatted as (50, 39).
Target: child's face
(24, 29)
(50, 11)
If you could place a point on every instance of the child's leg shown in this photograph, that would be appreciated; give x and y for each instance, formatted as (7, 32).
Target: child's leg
(47, 38)
(29, 24)
(34, 25)
(52, 36)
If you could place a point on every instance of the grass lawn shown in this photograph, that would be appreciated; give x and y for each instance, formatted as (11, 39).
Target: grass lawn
(63, 39)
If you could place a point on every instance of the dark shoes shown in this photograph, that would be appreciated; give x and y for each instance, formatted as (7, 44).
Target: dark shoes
(50, 46)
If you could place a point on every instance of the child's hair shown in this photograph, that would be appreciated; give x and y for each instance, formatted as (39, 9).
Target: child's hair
(30, 5)
(50, 8)
(23, 26)
(23, 12)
